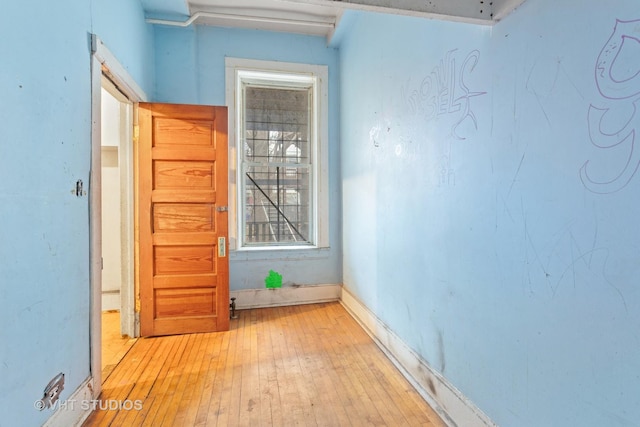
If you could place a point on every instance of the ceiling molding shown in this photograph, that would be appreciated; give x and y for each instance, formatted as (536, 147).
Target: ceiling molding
(265, 21)
(502, 8)
(316, 17)
(485, 12)
(473, 11)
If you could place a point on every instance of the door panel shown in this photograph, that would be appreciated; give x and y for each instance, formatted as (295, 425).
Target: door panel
(183, 217)
(182, 180)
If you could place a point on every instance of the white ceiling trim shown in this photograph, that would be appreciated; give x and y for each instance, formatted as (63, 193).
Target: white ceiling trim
(320, 17)
(329, 23)
(471, 11)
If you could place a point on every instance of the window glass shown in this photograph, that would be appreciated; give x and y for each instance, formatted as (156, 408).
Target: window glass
(277, 162)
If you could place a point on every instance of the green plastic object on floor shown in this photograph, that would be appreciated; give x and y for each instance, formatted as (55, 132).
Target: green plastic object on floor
(273, 280)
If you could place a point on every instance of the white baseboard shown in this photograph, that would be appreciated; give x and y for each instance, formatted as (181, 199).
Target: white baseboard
(75, 409)
(110, 301)
(288, 295)
(452, 406)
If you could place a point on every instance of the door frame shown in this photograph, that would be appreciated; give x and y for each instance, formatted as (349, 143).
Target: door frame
(105, 64)
(128, 324)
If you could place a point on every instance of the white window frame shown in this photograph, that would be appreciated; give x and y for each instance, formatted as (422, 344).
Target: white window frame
(236, 68)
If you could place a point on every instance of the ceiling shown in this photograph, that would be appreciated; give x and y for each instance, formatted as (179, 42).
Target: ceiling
(315, 17)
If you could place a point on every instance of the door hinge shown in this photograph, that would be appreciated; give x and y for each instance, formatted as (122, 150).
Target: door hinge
(222, 208)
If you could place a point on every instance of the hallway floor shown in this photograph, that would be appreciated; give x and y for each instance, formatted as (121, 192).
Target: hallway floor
(310, 365)
(114, 345)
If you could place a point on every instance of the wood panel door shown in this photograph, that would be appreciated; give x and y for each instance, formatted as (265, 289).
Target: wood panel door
(182, 208)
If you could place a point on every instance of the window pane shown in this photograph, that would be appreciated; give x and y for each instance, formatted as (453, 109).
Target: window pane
(277, 125)
(277, 205)
(277, 166)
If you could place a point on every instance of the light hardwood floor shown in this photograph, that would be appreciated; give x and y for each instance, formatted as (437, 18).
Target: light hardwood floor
(309, 365)
(114, 345)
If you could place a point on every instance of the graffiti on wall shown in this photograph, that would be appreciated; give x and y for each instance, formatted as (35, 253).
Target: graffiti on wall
(613, 122)
(445, 91)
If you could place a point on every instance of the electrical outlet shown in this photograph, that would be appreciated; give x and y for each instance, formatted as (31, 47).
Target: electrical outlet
(51, 392)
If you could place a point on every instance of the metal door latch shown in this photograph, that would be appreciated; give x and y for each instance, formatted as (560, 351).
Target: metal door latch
(51, 393)
(222, 208)
(79, 189)
(222, 247)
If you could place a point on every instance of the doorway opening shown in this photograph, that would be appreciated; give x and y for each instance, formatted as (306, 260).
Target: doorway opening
(117, 289)
(108, 73)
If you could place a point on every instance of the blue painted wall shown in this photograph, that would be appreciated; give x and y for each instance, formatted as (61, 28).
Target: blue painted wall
(190, 69)
(472, 226)
(45, 144)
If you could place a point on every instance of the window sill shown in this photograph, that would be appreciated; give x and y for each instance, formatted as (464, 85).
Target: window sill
(279, 253)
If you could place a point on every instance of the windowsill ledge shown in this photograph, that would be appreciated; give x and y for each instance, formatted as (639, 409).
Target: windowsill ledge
(279, 253)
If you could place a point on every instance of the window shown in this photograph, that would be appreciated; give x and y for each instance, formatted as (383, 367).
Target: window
(280, 145)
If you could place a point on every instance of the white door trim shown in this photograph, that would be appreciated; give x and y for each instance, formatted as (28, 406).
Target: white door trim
(116, 72)
(103, 62)
(128, 324)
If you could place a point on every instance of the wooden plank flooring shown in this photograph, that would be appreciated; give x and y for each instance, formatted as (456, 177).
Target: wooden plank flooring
(309, 365)
(114, 345)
